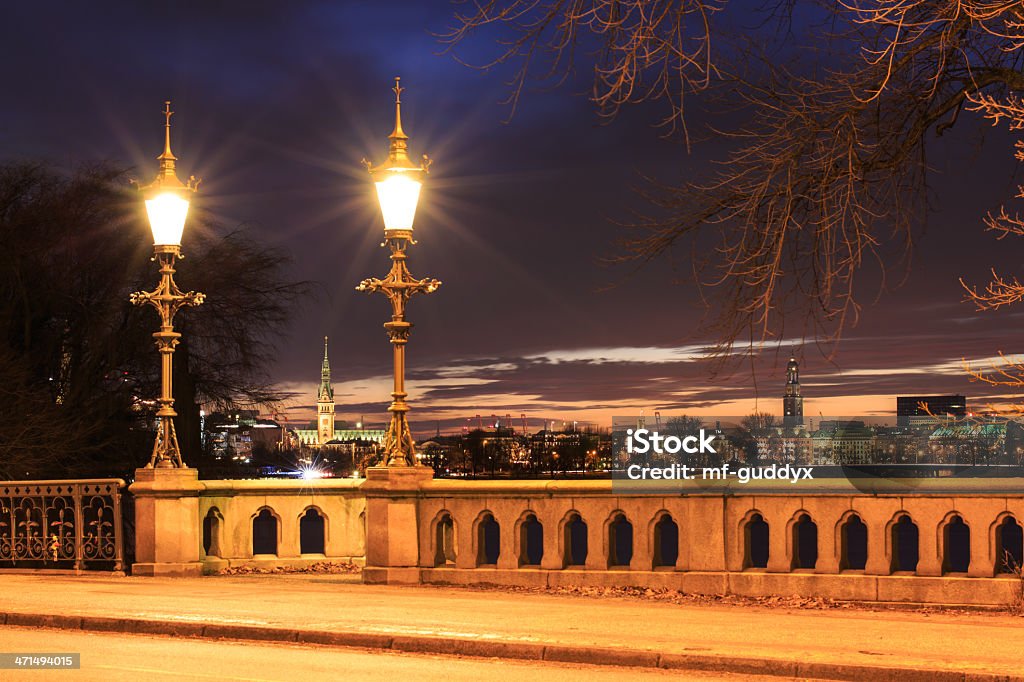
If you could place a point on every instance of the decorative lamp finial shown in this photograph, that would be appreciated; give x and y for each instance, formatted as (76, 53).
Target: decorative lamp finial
(398, 149)
(398, 133)
(167, 177)
(167, 155)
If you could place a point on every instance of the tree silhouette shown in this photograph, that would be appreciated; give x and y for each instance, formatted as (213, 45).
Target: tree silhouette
(826, 166)
(79, 363)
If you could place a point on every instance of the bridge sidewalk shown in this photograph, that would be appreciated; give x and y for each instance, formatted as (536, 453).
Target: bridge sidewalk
(338, 610)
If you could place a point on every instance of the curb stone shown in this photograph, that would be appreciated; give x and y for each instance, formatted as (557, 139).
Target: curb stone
(560, 653)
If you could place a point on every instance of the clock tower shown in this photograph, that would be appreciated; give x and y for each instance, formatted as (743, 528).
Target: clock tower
(325, 403)
(793, 401)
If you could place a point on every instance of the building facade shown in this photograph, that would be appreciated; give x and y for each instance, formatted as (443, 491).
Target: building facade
(326, 432)
(923, 409)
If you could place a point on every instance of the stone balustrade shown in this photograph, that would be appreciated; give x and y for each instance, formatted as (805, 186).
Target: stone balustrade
(929, 541)
(270, 523)
(934, 544)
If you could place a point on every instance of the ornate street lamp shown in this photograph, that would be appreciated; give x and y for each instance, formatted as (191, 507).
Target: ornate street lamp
(167, 200)
(398, 182)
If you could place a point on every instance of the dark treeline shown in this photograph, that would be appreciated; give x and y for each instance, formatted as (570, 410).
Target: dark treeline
(77, 360)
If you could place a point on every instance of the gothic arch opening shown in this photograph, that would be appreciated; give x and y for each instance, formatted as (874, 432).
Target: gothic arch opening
(905, 545)
(956, 546)
(488, 541)
(444, 541)
(666, 541)
(212, 524)
(312, 532)
(531, 541)
(755, 536)
(264, 532)
(1009, 546)
(575, 541)
(620, 541)
(854, 545)
(805, 543)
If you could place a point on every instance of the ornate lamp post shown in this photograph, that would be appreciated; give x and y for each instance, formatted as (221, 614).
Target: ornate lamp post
(398, 182)
(167, 201)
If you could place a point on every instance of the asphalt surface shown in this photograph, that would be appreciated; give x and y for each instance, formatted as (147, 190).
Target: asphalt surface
(960, 643)
(130, 658)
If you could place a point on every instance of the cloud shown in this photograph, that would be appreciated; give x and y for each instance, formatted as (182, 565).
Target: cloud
(595, 384)
(624, 354)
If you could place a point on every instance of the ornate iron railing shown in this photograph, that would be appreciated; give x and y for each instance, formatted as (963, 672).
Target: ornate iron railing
(59, 524)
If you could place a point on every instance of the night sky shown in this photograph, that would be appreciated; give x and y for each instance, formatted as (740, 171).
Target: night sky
(277, 103)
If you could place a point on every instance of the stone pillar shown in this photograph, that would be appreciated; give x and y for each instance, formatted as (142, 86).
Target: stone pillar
(168, 534)
(554, 537)
(828, 545)
(465, 545)
(598, 551)
(643, 544)
(929, 553)
(982, 564)
(879, 537)
(392, 523)
(507, 558)
(780, 539)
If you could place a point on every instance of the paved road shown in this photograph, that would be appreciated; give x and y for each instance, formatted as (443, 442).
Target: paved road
(130, 658)
(966, 642)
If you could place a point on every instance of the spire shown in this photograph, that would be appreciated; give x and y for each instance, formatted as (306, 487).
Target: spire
(398, 133)
(167, 159)
(326, 391)
(167, 155)
(167, 177)
(399, 148)
(325, 368)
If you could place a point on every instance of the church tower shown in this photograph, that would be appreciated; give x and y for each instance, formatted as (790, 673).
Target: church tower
(325, 403)
(792, 401)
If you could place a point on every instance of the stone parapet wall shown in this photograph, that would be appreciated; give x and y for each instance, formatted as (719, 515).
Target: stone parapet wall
(714, 544)
(927, 541)
(232, 507)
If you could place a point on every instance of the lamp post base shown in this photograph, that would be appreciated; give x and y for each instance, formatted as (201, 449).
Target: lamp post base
(166, 453)
(168, 533)
(393, 524)
(399, 446)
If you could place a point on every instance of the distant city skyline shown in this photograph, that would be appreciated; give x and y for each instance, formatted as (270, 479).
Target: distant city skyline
(439, 392)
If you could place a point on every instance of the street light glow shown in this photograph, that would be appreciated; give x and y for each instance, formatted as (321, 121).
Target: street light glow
(167, 213)
(310, 473)
(398, 195)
